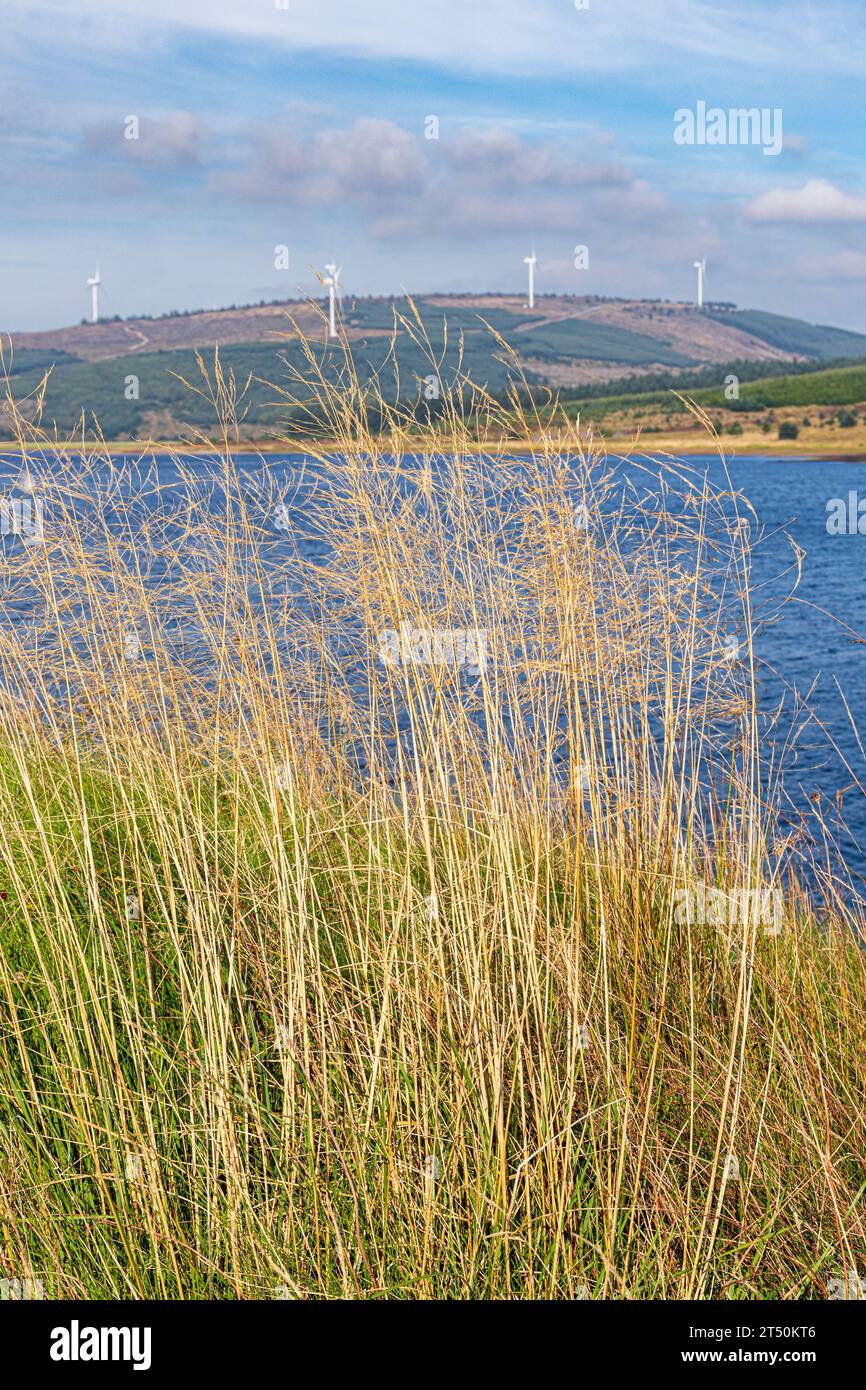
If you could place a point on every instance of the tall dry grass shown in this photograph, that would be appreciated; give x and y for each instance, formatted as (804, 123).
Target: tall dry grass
(333, 967)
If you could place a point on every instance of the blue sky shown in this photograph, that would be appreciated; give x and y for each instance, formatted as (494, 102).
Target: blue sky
(305, 126)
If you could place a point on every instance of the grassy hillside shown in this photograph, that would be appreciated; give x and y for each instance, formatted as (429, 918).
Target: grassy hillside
(603, 355)
(838, 385)
(793, 335)
(467, 349)
(378, 314)
(26, 362)
(100, 389)
(583, 338)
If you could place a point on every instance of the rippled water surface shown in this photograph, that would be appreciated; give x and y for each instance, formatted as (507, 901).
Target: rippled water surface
(814, 654)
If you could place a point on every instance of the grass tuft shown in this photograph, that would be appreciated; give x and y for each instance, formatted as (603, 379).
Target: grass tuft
(341, 958)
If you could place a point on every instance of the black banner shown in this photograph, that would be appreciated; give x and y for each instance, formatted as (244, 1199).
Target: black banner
(83, 1341)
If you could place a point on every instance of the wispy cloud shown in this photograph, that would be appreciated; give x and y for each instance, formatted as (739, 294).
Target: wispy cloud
(501, 158)
(179, 140)
(405, 185)
(363, 163)
(848, 265)
(493, 35)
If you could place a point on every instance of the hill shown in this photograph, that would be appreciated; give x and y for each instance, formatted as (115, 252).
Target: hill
(129, 373)
(794, 336)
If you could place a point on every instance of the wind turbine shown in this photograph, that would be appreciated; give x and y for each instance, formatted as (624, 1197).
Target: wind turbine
(332, 281)
(94, 282)
(531, 261)
(701, 268)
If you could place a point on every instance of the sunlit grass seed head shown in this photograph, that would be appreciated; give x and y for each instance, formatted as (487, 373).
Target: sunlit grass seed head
(436, 802)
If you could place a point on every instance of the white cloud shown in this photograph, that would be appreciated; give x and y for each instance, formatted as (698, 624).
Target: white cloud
(817, 201)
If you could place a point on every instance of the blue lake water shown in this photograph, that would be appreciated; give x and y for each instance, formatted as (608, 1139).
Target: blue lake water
(815, 652)
(811, 655)
(812, 662)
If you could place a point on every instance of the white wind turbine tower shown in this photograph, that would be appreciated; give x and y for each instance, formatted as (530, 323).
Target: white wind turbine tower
(701, 268)
(332, 281)
(94, 282)
(531, 262)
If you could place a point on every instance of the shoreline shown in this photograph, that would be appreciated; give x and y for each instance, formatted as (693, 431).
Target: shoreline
(664, 445)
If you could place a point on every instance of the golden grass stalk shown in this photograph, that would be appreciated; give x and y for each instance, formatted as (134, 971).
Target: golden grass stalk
(344, 839)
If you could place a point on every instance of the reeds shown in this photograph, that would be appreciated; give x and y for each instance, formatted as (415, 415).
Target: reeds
(344, 838)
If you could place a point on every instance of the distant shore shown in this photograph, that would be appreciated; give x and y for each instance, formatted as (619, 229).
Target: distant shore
(679, 445)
